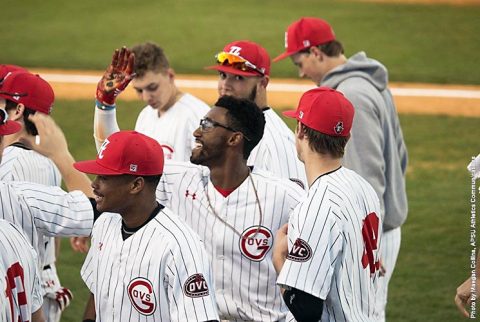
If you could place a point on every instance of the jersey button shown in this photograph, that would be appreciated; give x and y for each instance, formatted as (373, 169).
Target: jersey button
(221, 257)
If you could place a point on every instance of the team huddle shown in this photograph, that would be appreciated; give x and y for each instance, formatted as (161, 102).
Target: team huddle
(205, 213)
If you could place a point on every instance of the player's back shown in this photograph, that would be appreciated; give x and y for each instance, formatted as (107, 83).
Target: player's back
(276, 151)
(356, 209)
(19, 276)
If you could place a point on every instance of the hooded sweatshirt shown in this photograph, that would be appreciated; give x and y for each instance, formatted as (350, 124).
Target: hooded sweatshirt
(376, 149)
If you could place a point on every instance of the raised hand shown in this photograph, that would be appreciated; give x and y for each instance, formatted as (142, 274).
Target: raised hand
(117, 76)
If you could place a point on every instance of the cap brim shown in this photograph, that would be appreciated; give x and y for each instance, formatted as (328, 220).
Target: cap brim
(231, 70)
(92, 167)
(10, 127)
(293, 114)
(283, 56)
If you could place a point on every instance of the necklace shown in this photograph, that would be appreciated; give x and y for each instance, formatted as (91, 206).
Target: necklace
(127, 232)
(227, 224)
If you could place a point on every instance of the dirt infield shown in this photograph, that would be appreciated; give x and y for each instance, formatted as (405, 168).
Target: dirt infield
(284, 93)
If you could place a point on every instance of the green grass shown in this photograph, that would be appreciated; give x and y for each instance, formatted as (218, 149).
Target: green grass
(418, 43)
(434, 256)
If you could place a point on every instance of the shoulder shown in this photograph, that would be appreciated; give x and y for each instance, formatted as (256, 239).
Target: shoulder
(286, 185)
(174, 229)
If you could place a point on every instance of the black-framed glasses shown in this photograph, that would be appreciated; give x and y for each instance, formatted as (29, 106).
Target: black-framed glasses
(207, 124)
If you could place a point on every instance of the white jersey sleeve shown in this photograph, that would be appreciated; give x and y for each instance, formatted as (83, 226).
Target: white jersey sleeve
(19, 274)
(104, 124)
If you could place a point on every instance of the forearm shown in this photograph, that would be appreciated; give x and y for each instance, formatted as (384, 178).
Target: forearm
(38, 316)
(104, 124)
(74, 179)
(90, 313)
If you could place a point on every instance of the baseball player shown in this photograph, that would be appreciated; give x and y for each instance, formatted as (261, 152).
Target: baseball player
(377, 150)
(234, 208)
(21, 299)
(170, 116)
(244, 72)
(19, 163)
(330, 270)
(145, 263)
(42, 210)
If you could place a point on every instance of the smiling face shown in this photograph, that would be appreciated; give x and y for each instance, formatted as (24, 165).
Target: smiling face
(155, 88)
(211, 143)
(112, 193)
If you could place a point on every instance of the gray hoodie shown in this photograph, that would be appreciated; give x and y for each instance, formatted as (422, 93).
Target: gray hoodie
(376, 149)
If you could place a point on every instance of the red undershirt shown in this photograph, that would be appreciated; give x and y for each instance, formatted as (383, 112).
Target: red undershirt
(224, 192)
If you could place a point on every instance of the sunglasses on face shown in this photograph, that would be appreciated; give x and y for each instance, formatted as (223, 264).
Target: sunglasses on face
(207, 125)
(237, 62)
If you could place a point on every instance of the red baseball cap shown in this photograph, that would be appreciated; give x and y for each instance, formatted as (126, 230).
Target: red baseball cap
(7, 127)
(252, 59)
(305, 33)
(28, 89)
(5, 69)
(126, 152)
(325, 110)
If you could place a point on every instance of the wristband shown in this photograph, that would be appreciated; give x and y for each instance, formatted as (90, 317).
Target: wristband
(104, 107)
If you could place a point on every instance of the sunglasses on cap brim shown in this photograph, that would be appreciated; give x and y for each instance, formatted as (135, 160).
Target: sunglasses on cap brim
(237, 62)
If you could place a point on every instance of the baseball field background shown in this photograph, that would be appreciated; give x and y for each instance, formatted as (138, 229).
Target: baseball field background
(434, 42)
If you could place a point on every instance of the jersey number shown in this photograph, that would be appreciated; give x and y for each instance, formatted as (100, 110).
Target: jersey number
(370, 240)
(15, 283)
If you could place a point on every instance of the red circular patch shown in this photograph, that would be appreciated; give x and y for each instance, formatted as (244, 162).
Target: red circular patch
(255, 242)
(140, 292)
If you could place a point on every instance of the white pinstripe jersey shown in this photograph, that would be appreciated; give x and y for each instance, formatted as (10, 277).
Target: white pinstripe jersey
(243, 269)
(20, 164)
(174, 129)
(45, 211)
(333, 242)
(276, 151)
(19, 276)
(160, 273)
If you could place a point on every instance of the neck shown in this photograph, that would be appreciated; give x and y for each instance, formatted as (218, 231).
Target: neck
(319, 164)
(229, 175)
(139, 213)
(12, 138)
(176, 95)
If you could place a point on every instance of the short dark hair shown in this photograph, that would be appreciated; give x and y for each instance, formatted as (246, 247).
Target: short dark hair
(29, 126)
(151, 181)
(326, 144)
(332, 48)
(149, 57)
(246, 117)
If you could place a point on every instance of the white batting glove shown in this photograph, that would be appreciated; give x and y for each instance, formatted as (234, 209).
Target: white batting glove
(63, 297)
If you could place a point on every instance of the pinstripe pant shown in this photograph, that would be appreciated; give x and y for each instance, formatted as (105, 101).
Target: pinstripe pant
(389, 252)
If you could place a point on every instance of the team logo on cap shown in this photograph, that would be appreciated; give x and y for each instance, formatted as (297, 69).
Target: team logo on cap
(306, 43)
(300, 115)
(235, 50)
(338, 128)
(142, 297)
(102, 148)
(195, 286)
(300, 252)
(133, 168)
(255, 242)
(167, 151)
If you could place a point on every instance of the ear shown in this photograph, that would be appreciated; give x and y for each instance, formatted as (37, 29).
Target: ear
(264, 81)
(17, 113)
(235, 139)
(316, 52)
(300, 131)
(137, 185)
(171, 74)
